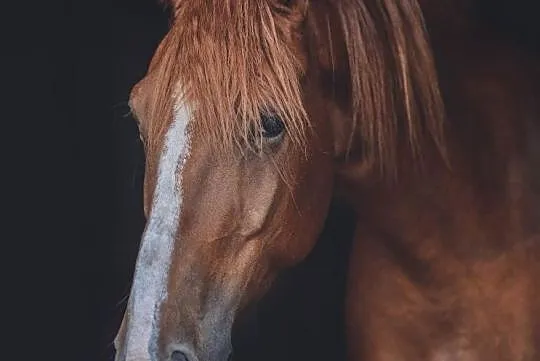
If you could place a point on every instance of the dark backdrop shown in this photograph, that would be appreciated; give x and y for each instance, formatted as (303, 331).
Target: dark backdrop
(109, 204)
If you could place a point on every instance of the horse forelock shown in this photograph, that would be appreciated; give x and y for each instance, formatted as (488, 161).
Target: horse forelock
(230, 60)
(233, 59)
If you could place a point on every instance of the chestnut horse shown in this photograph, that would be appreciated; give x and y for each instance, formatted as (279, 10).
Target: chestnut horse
(256, 114)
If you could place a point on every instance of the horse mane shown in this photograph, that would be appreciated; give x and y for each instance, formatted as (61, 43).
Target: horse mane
(235, 59)
(394, 82)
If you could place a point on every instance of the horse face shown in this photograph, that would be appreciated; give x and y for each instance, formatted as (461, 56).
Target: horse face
(221, 221)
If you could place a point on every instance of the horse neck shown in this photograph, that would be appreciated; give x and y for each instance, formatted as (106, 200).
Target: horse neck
(489, 200)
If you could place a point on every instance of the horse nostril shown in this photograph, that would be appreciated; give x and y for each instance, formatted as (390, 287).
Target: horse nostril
(178, 356)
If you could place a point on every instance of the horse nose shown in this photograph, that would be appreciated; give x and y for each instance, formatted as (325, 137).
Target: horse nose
(179, 356)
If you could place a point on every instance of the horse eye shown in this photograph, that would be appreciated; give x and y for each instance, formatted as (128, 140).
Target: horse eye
(272, 126)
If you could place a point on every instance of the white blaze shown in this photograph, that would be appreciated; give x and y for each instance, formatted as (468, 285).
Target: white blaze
(151, 271)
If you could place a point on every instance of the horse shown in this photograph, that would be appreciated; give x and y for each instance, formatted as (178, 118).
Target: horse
(257, 114)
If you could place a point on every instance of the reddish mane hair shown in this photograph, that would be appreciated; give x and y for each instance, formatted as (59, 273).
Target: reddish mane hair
(234, 59)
